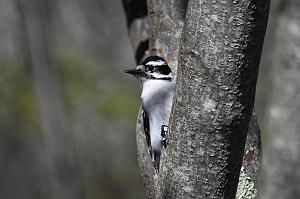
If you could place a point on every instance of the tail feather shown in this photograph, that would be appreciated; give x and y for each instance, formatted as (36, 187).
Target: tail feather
(156, 159)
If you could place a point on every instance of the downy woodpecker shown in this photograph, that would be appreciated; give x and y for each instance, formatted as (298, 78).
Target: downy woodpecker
(157, 96)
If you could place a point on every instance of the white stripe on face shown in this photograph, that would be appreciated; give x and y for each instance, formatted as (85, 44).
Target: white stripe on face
(156, 63)
(157, 75)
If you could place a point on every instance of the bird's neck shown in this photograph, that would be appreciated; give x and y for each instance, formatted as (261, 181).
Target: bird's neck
(156, 89)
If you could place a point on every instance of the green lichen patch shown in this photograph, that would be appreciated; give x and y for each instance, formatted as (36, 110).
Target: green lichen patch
(246, 188)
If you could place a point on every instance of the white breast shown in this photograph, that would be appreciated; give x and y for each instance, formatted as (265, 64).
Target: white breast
(157, 97)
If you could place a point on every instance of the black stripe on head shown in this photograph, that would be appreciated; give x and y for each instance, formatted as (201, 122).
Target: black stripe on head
(162, 69)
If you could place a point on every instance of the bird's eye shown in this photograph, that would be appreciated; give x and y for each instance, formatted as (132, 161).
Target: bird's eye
(150, 68)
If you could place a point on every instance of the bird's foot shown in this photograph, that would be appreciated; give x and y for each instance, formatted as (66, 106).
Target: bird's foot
(164, 135)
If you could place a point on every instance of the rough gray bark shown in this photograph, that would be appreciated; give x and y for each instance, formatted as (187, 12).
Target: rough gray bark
(166, 19)
(58, 155)
(218, 61)
(281, 177)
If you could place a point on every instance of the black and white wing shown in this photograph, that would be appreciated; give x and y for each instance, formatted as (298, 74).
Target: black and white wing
(146, 128)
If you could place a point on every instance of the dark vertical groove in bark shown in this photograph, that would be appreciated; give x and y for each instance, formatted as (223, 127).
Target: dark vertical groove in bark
(134, 9)
(218, 61)
(141, 50)
(136, 16)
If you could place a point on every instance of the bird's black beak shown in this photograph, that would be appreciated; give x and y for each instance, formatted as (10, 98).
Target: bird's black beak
(139, 71)
(134, 72)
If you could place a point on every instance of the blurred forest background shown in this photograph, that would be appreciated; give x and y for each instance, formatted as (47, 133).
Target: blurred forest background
(68, 112)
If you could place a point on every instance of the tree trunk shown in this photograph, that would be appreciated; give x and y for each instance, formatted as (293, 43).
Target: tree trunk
(218, 65)
(166, 19)
(58, 155)
(281, 177)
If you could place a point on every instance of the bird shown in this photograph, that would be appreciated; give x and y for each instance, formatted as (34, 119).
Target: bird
(158, 86)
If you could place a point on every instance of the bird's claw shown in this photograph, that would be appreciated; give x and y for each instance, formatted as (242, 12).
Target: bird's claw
(164, 135)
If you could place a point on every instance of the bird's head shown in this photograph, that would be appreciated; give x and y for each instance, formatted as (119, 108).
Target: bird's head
(153, 67)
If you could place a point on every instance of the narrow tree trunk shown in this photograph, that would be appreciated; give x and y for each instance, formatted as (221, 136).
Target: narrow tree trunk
(167, 19)
(218, 65)
(281, 177)
(59, 154)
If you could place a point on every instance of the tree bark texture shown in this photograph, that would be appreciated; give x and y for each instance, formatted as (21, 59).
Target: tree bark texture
(217, 71)
(166, 19)
(58, 155)
(281, 160)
